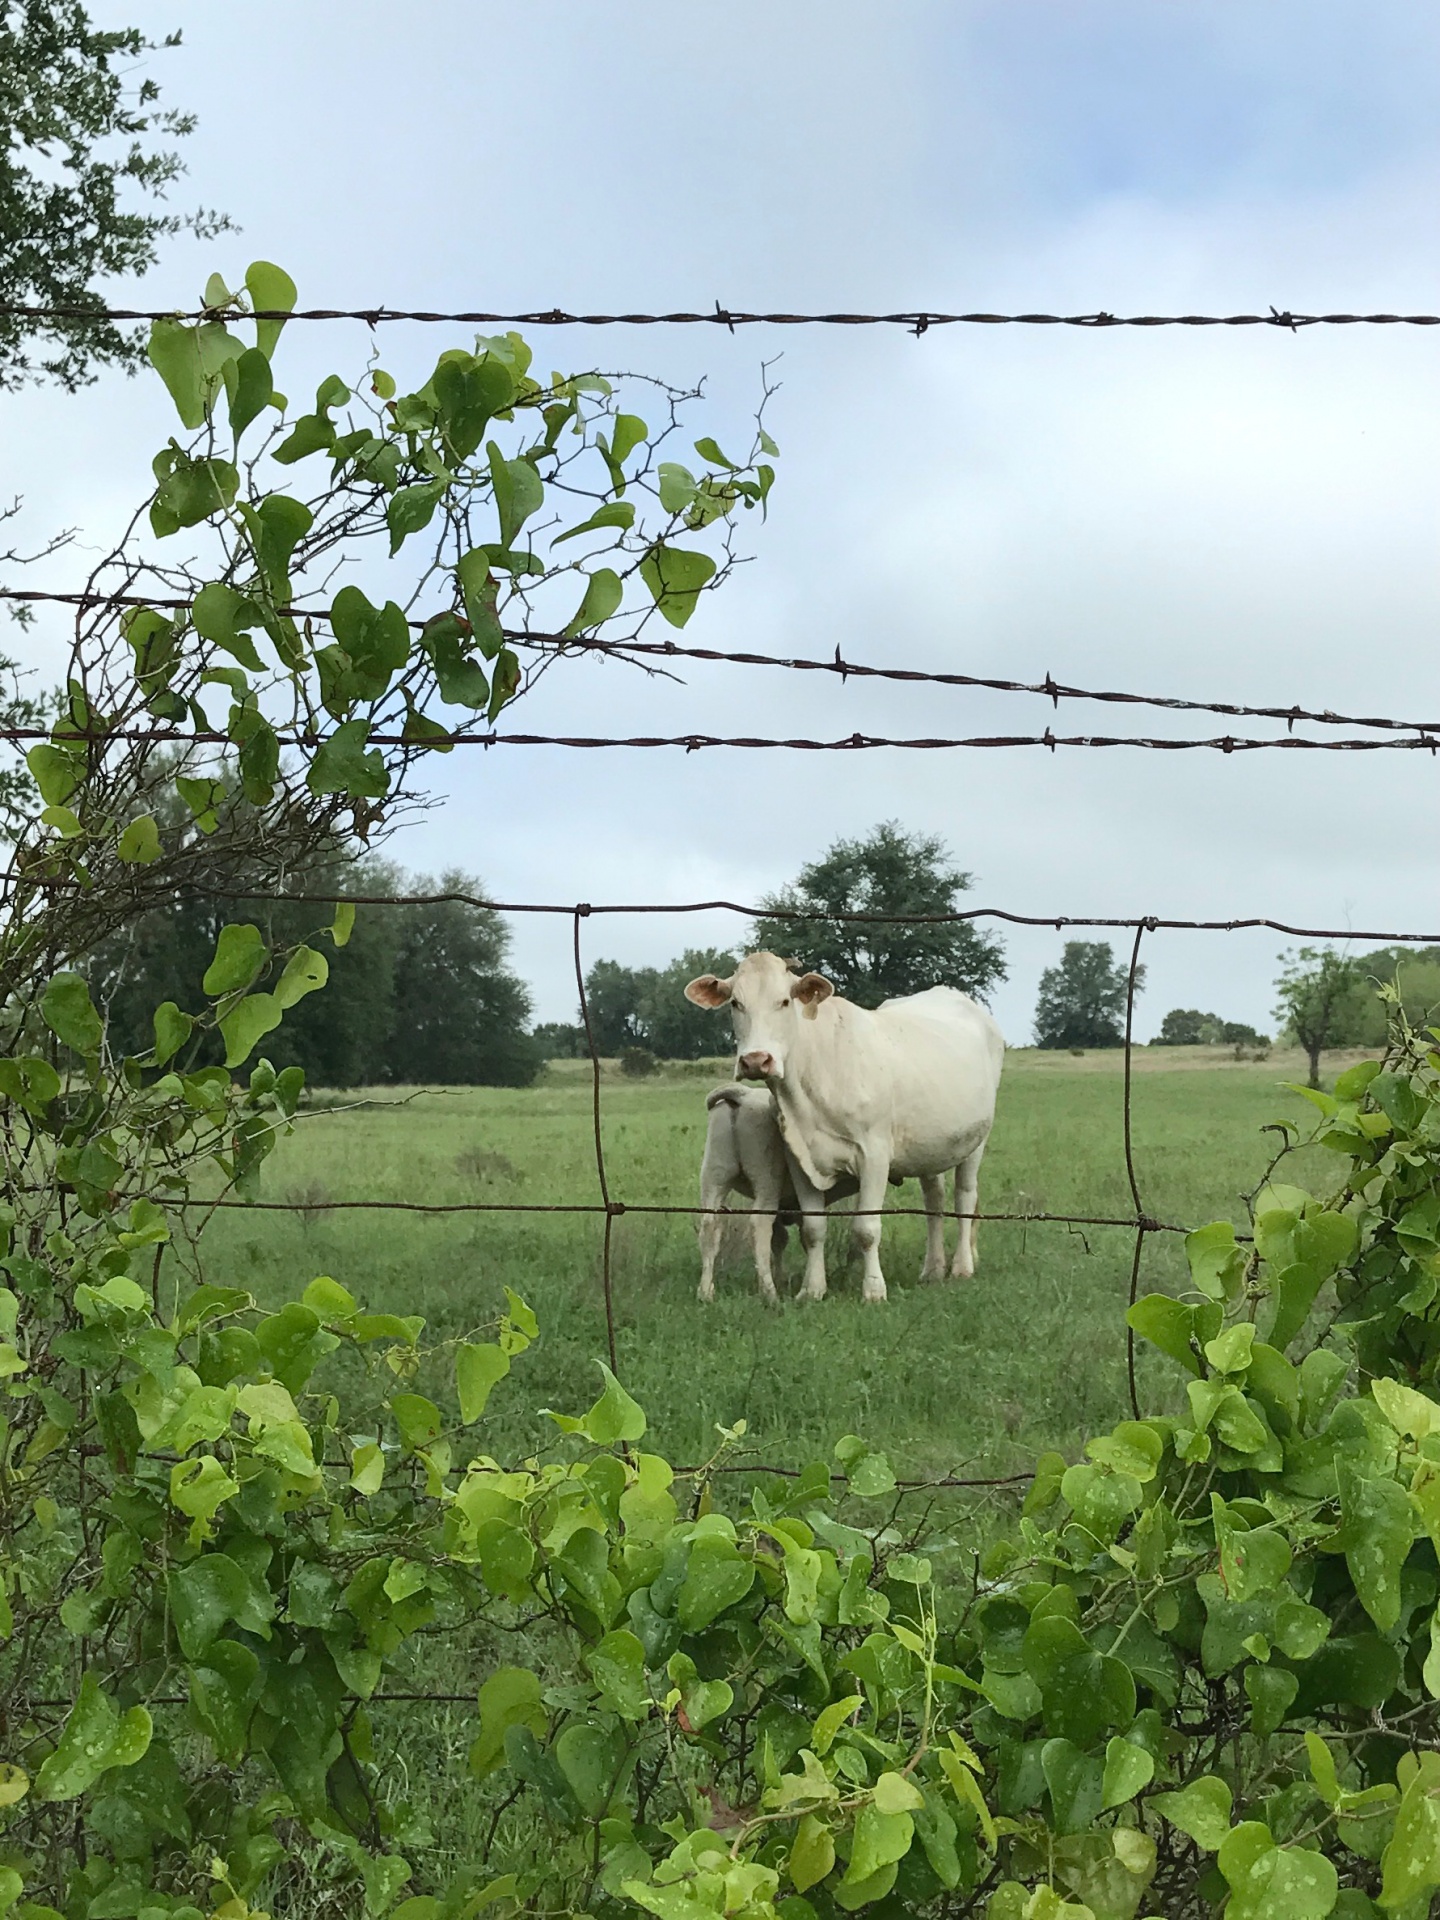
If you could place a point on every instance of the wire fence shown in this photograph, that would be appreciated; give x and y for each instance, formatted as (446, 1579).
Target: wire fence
(609, 1207)
(918, 320)
(1049, 688)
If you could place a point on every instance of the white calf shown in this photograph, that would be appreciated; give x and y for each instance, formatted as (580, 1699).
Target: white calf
(743, 1154)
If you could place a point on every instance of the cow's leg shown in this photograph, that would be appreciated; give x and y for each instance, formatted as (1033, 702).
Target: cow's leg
(932, 1186)
(813, 1226)
(967, 1196)
(868, 1203)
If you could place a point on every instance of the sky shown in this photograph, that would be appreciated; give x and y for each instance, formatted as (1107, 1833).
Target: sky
(1236, 515)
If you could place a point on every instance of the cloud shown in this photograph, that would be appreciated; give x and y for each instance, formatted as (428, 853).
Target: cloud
(1241, 515)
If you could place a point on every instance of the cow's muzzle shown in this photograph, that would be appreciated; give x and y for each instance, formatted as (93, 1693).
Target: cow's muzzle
(759, 1065)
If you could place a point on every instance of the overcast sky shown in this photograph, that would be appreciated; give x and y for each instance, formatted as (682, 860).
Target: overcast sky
(1240, 515)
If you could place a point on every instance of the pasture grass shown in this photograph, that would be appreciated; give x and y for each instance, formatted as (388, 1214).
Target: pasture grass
(950, 1376)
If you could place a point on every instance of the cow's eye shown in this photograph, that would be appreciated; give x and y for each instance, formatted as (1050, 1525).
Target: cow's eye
(737, 1005)
(786, 1001)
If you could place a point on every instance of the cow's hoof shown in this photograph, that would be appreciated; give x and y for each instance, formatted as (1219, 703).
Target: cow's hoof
(809, 1296)
(874, 1296)
(705, 1295)
(962, 1273)
(927, 1274)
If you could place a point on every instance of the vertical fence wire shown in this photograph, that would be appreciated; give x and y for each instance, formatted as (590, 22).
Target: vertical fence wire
(611, 1207)
(1142, 1224)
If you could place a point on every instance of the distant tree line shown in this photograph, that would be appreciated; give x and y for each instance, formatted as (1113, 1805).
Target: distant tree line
(1327, 999)
(425, 994)
(1188, 1027)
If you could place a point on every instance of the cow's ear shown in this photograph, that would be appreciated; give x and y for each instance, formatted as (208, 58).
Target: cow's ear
(708, 991)
(810, 989)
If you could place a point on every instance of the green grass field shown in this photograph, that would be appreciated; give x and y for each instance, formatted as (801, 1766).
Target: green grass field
(947, 1376)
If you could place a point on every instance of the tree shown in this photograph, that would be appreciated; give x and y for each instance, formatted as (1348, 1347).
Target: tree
(612, 998)
(1185, 1027)
(67, 97)
(673, 1029)
(646, 1007)
(888, 872)
(1321, 1001)
(459, 1016)
(1403, 978)
(1188, 1027)
(418, 994)
(1082, 1001)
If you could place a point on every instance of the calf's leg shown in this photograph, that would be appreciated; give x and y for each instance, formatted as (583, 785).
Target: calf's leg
(763, 1214)
(720, 1174)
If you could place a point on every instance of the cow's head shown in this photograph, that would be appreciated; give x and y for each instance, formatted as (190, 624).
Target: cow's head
(766, 999)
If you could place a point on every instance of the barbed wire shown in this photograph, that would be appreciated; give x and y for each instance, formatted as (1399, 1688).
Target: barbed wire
(1049, 688)
(918, 320)
(699, 742)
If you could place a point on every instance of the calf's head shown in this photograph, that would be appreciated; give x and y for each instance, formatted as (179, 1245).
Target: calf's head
(766, 1000)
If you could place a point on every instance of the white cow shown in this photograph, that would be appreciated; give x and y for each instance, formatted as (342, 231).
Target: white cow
(907, 1089)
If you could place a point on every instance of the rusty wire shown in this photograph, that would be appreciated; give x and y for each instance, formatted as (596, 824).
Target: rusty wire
(1049, 688)
(918, 321)
(608, 1205)
(697, 742)
(1152, 923)
(1142, 1224)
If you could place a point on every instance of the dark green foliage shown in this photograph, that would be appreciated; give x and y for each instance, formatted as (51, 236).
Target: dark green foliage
(670, 1026)
(888, 872)
(646, 1007)
(458, 1015)
(1082, 1001)
(422, 994)
(81, 138)
(612, 998)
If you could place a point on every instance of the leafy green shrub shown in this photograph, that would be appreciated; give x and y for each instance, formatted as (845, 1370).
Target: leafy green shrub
(638, 1063)
(1202, 1666)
